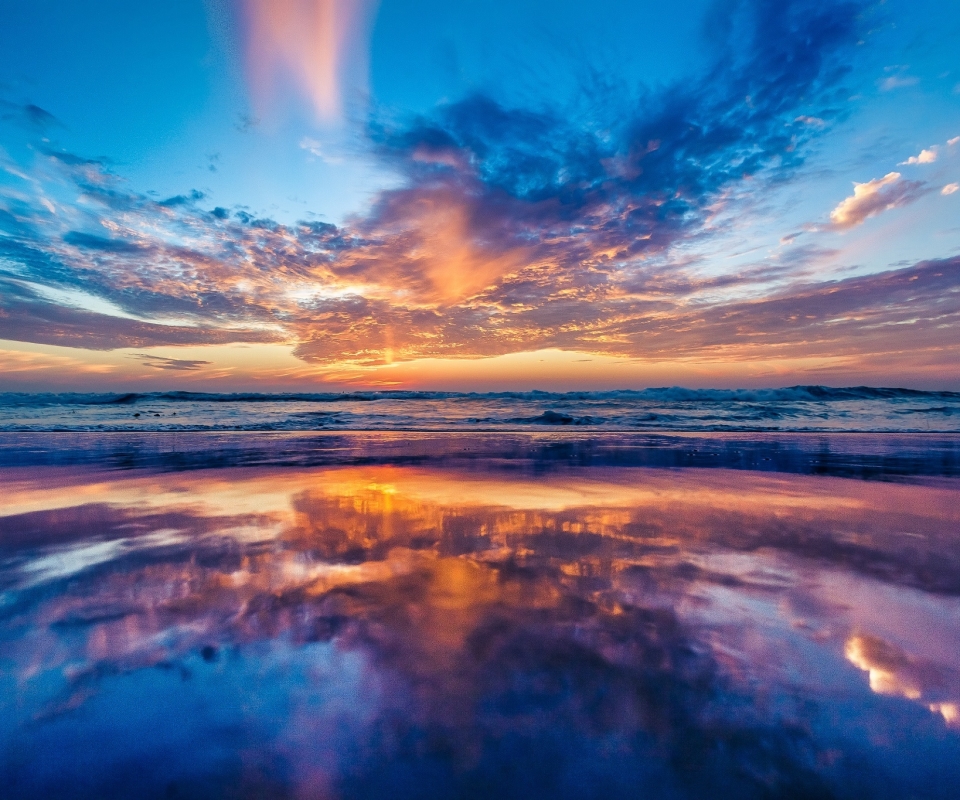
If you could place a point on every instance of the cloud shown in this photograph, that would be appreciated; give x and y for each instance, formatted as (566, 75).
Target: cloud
(176, 364)
(872, 198)
(513, 228)
(927, 156)
(316, 149)
(914, 307)
(950, 188)
(545, 187)
(317, 45)
(26, 316)
(894, 310)
(39, 117)
(953, 141)
(340, 298)
(20, 364)
(94, 242)
(898, 80)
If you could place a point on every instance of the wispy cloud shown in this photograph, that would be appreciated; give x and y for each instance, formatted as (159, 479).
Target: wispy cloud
(176, 364)
(317, 46)
(898, 78)
(316, 149)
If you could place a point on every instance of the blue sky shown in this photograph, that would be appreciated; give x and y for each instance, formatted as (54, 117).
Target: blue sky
(288, 192)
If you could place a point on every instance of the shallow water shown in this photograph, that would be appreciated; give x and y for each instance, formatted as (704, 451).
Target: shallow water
(452, 616)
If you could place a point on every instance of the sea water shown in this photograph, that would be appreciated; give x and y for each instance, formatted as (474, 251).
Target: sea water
(798, 408)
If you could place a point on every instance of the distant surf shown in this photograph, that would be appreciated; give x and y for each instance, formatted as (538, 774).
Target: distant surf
(792, 409)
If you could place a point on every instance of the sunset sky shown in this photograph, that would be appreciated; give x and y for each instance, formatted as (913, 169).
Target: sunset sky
(296, 194)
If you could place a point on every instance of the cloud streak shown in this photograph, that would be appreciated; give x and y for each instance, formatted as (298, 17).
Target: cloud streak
(176, 364)
(318, 46)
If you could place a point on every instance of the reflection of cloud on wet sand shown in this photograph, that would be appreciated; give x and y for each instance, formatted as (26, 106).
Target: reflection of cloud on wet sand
(393, 506)
(623, 625)
(894, 672)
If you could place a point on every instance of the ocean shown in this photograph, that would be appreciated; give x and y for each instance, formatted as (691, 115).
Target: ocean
(797, 408)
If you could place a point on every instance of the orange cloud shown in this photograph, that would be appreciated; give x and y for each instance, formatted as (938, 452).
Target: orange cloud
(432, 247)
(318, 44)
(30, 363)
(872, 198)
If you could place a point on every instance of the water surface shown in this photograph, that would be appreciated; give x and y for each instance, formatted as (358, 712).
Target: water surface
(795, 408)
(541, 616)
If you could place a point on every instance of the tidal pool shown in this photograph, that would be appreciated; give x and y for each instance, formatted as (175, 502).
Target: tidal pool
(481, 629)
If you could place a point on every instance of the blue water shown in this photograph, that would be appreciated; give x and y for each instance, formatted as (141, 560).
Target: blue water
(797, 408)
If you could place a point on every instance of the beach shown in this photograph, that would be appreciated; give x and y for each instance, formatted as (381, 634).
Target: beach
(435, 615)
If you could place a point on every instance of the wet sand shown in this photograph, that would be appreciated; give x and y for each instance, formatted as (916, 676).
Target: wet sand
(535, 616)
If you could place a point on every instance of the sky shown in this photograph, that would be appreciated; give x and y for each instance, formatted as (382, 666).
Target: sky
(223, 195)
